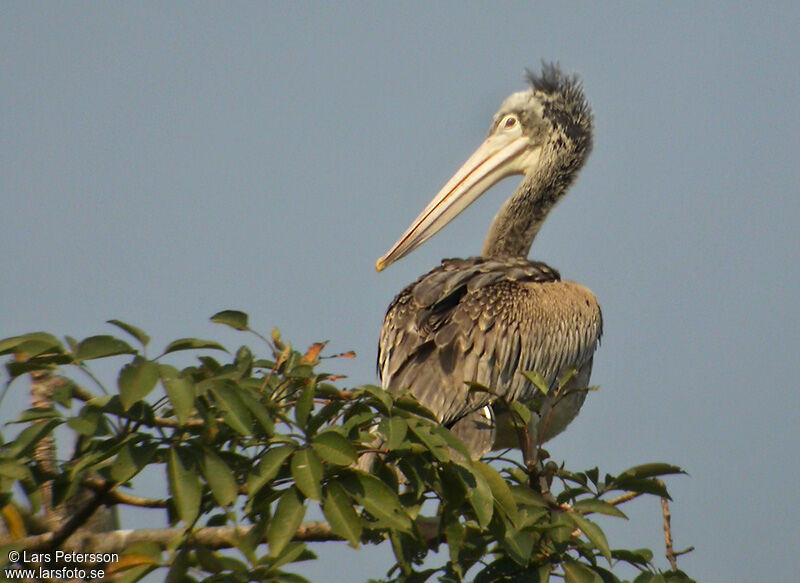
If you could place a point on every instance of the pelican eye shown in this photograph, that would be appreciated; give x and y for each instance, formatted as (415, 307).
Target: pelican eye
(509, 122)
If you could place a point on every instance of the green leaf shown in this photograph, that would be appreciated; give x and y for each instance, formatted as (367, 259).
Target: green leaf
(339, 511)
(454, 444)
(235, 566)
(518, 545)
(87, 422)
(525, 496)
(401, 553)
(71, 343)
(102, 347)
(333, 447)
(307, 472)
(435, 443)
(180, 390)
(456, 483)
(193, 344)
(520, 412)
(378, 499)
(560, 528)
(257, 534)
(30, 436)
(180, 565)
(676, 576)
(262, 415)
(481, 499)
(219, 477)
(303, 406)
(14, 470)
(63, 394)
(410, 404)
(578, 573)
(207, 559)
(232, 318)
(243, 360)
(453, 532)
(643, 486)
(382, 396)
(292, 552)
(648, 577)
(394, 429)
(569, 374)
(537, 380)
(184, 485)
(17, 368)
(500, 491)
(289, 514)
(357, 418)
(131, 459)
(275, 334)
(635, 557)
(235, 412)
(288, 578)
(137, 333)
(31, 344)
(599, 506)
(297, 370)
(593, 532)
(136, 381)
(606, 575)
(211, 367)
(268, 468)
(650, 470)
(36, 413)
(325, 414)
(480, 389)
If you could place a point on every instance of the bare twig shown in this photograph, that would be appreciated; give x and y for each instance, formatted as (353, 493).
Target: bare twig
(671, 557)
(97, 484)
(115, 496)
(624, 498)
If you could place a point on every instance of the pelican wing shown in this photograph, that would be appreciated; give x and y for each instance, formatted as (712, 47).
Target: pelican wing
(485, 320)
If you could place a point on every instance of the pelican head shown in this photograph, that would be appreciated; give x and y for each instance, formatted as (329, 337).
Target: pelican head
(543, 133)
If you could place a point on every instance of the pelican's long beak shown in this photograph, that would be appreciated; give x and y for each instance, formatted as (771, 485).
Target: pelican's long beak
(499, 156)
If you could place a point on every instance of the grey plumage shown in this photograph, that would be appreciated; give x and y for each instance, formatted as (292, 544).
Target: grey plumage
(488, 319)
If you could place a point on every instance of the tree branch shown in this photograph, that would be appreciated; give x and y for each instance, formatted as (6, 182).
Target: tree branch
(673, 562)
(78, 519)
(212, 537)
(112, 497)
(115, 496)
(624, 498)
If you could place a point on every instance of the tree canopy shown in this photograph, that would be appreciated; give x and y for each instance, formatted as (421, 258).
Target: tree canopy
(248, 442)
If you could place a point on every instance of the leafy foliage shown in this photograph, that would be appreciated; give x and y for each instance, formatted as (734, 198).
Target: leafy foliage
(253, 442)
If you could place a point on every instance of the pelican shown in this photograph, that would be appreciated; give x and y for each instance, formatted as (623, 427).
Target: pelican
(489, 319)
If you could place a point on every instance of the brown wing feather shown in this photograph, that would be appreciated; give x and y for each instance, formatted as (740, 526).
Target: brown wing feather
(485, 321)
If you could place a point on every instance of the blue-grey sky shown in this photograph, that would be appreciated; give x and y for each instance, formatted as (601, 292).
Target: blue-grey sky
(161, 162)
